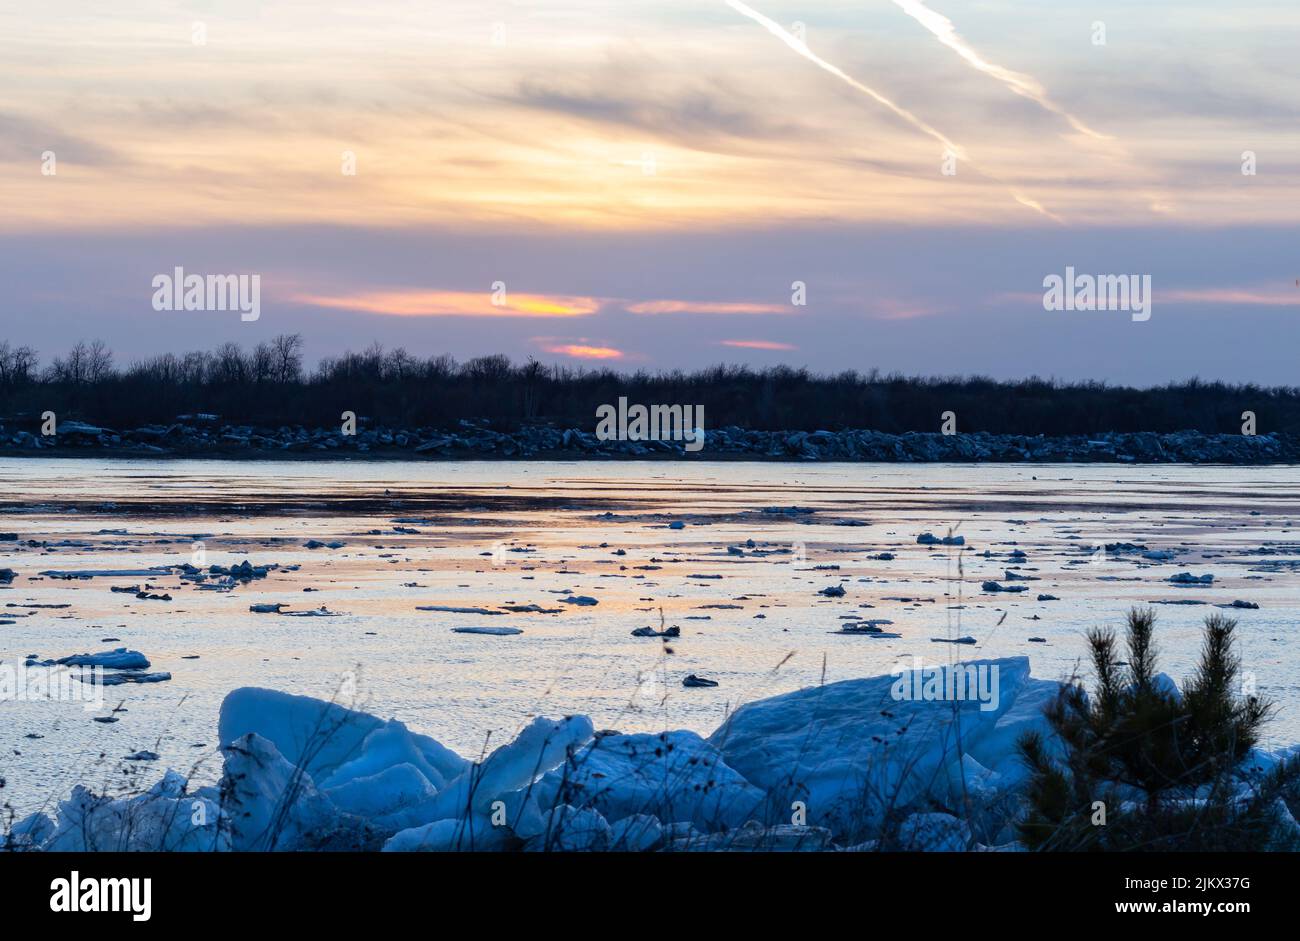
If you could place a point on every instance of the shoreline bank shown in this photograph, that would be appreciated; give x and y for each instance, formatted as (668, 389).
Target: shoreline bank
(543, 443)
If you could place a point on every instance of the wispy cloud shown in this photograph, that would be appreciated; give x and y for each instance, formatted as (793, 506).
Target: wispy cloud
(706, 307)
(24, 139)
(692, 116)
(893, 309)
(759, 345)
(1256, 296)
(417, 303)
(581, 351)
(650, 119)
(1287, 296)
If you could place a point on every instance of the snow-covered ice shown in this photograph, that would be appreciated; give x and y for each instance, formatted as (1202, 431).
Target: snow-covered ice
(919, 759)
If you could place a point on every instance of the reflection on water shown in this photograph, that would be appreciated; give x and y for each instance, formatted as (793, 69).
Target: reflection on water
(742, 579)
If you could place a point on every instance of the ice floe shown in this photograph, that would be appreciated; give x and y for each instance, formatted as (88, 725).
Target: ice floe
(117, 659)
(924, 758)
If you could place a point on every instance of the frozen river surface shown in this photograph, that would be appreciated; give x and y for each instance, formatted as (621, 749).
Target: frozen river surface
(741, 577)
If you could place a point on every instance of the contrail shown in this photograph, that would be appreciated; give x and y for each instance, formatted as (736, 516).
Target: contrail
(1022, 85)
(780, 32)
(1031, 203)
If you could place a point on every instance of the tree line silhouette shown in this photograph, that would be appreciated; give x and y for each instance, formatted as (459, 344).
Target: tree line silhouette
(269, 386)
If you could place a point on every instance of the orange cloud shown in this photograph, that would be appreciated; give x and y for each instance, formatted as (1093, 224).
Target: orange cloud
(578, 351)
(453, 304)
(706, 307)
(758, 345)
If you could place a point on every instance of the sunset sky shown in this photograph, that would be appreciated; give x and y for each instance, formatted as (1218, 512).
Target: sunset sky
(648, 179)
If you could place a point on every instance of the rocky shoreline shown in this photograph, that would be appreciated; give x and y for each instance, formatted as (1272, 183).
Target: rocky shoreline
(206, 436)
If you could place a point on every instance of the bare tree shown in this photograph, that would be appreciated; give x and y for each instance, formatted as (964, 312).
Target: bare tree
(399, 365)
(195, 368)
(17, 364)
(286, 352)
(161, 370)
(371, 362)
(22, 364)
(99, 361)
(85, 363)
(440, 367)
(493, 368)
(72, 368)
(229, 367)
(532, 374)
(262, 363)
